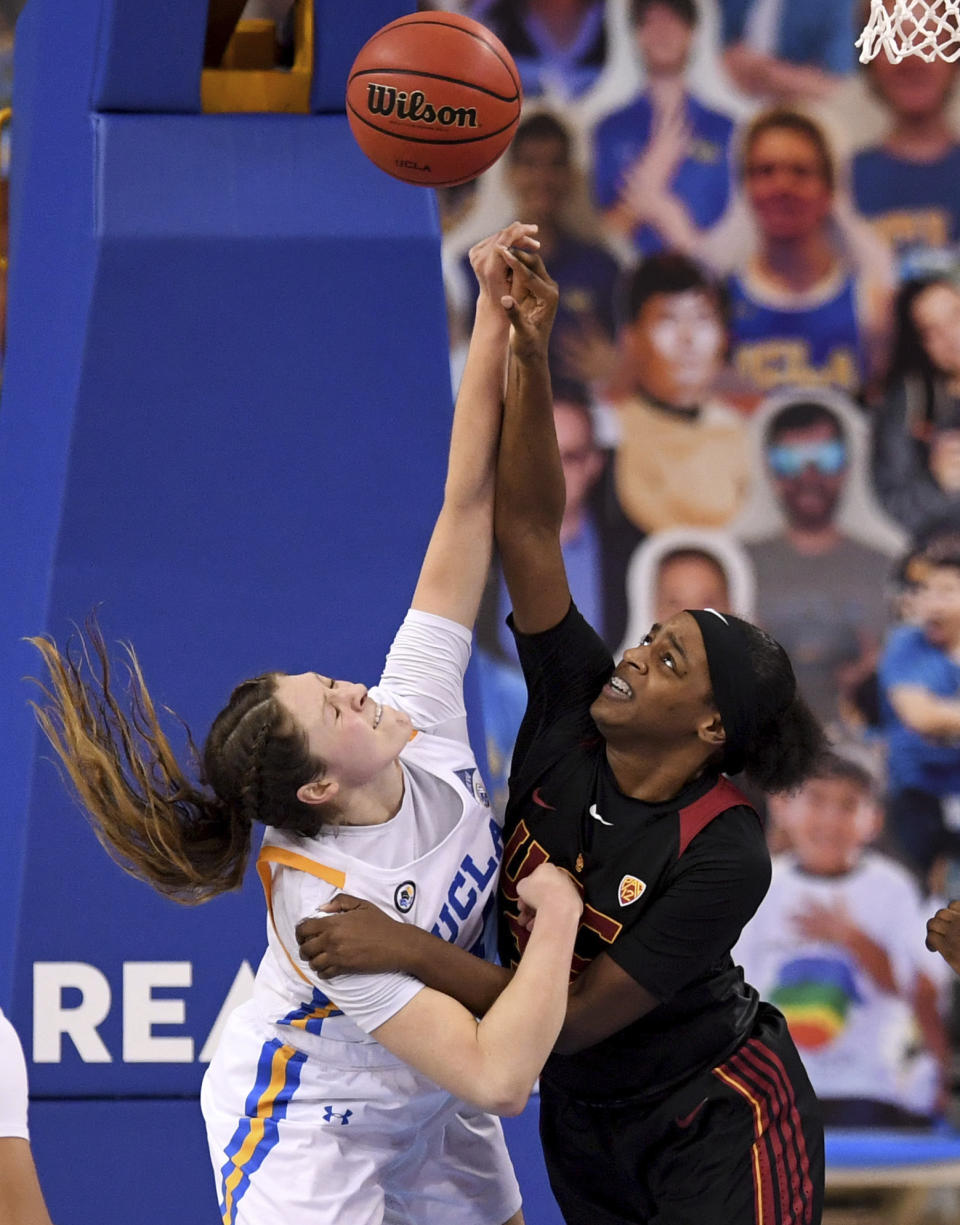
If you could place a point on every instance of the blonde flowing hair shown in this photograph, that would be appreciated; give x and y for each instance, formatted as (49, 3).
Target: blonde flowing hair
(187, 837)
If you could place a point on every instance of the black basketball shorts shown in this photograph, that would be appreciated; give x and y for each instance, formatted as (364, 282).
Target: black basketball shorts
(740, 1144)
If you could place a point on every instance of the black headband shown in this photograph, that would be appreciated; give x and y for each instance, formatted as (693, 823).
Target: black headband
(731, 678)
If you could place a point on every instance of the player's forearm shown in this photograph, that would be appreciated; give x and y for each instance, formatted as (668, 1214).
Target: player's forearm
(445, 967)
(476, 419)
(538, 987)
(530, 488)
(458, 557)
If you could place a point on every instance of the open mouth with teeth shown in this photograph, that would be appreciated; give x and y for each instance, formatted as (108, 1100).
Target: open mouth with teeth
(377, 716)
(618, 687)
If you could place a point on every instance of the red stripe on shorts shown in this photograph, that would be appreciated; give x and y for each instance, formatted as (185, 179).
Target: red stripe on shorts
(782, 1150)
(788, 1125)
(765, 1209)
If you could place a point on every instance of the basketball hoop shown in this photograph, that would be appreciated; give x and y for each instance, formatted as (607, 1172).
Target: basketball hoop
(928, 28)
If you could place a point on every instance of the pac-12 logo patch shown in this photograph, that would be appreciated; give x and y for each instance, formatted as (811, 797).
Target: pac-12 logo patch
(630, 889)
(473, 782)
(403, 896)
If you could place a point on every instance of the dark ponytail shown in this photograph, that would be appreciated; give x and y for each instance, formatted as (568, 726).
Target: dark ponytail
(788, 740)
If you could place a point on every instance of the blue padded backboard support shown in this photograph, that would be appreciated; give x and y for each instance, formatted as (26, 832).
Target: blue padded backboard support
(148, 56)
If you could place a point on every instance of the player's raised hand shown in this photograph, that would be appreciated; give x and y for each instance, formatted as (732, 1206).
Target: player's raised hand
(492, 274)
(943, 935)
(530, 303)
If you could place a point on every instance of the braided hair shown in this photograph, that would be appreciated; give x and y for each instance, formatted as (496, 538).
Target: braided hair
(187, 837)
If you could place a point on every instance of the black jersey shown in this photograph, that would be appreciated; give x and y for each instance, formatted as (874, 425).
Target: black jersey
(667, 887)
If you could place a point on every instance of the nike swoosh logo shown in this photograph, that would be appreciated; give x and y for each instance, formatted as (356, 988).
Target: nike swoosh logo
(596, 816)
(686, 1119)
(540, 801)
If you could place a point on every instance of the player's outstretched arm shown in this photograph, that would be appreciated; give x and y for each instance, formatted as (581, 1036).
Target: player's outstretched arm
(494, 1063)
(530, 488)
(458, 557)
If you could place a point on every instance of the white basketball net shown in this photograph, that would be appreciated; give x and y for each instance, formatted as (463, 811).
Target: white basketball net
(928, 28)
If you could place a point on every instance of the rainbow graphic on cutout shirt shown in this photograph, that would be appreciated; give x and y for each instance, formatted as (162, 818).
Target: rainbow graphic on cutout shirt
(815, 995)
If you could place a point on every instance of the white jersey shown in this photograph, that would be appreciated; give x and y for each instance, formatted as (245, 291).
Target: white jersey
(434, 864)
(309, 1119)
(856, 1040)
(13, 1083)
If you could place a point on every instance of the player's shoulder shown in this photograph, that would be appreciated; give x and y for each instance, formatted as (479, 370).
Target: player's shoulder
(738, 823)
(572, 642)
(297, 870)
(449, 760)
(728, 858)
(426, 625)
(436, 753)
(734, 836)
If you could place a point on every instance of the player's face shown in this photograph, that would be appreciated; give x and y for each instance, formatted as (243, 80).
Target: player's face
(808, 468)
(938, 606)
(936, 316)
(663, 40)
(539, 174)
(828, 821)
(786, 184)
(355, 737)
(676, 345)
(660, 690)
(913, 89)
(690, 581)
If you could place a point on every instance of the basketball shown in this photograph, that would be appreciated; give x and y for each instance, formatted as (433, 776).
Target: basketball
(433, 98)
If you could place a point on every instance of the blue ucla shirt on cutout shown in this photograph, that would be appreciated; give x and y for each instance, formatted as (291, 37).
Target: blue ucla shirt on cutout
(914, 760)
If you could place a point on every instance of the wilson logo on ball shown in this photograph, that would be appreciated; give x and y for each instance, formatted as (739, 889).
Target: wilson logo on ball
(385, 100)
(433, 98)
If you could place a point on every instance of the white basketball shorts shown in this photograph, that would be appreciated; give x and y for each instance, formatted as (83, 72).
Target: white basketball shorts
(347, 1136)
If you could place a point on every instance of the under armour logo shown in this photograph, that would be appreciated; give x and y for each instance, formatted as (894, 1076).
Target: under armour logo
(596, 816)
(329, 1114)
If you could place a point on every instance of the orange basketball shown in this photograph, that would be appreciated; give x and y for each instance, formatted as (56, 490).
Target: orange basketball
(433, 98)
